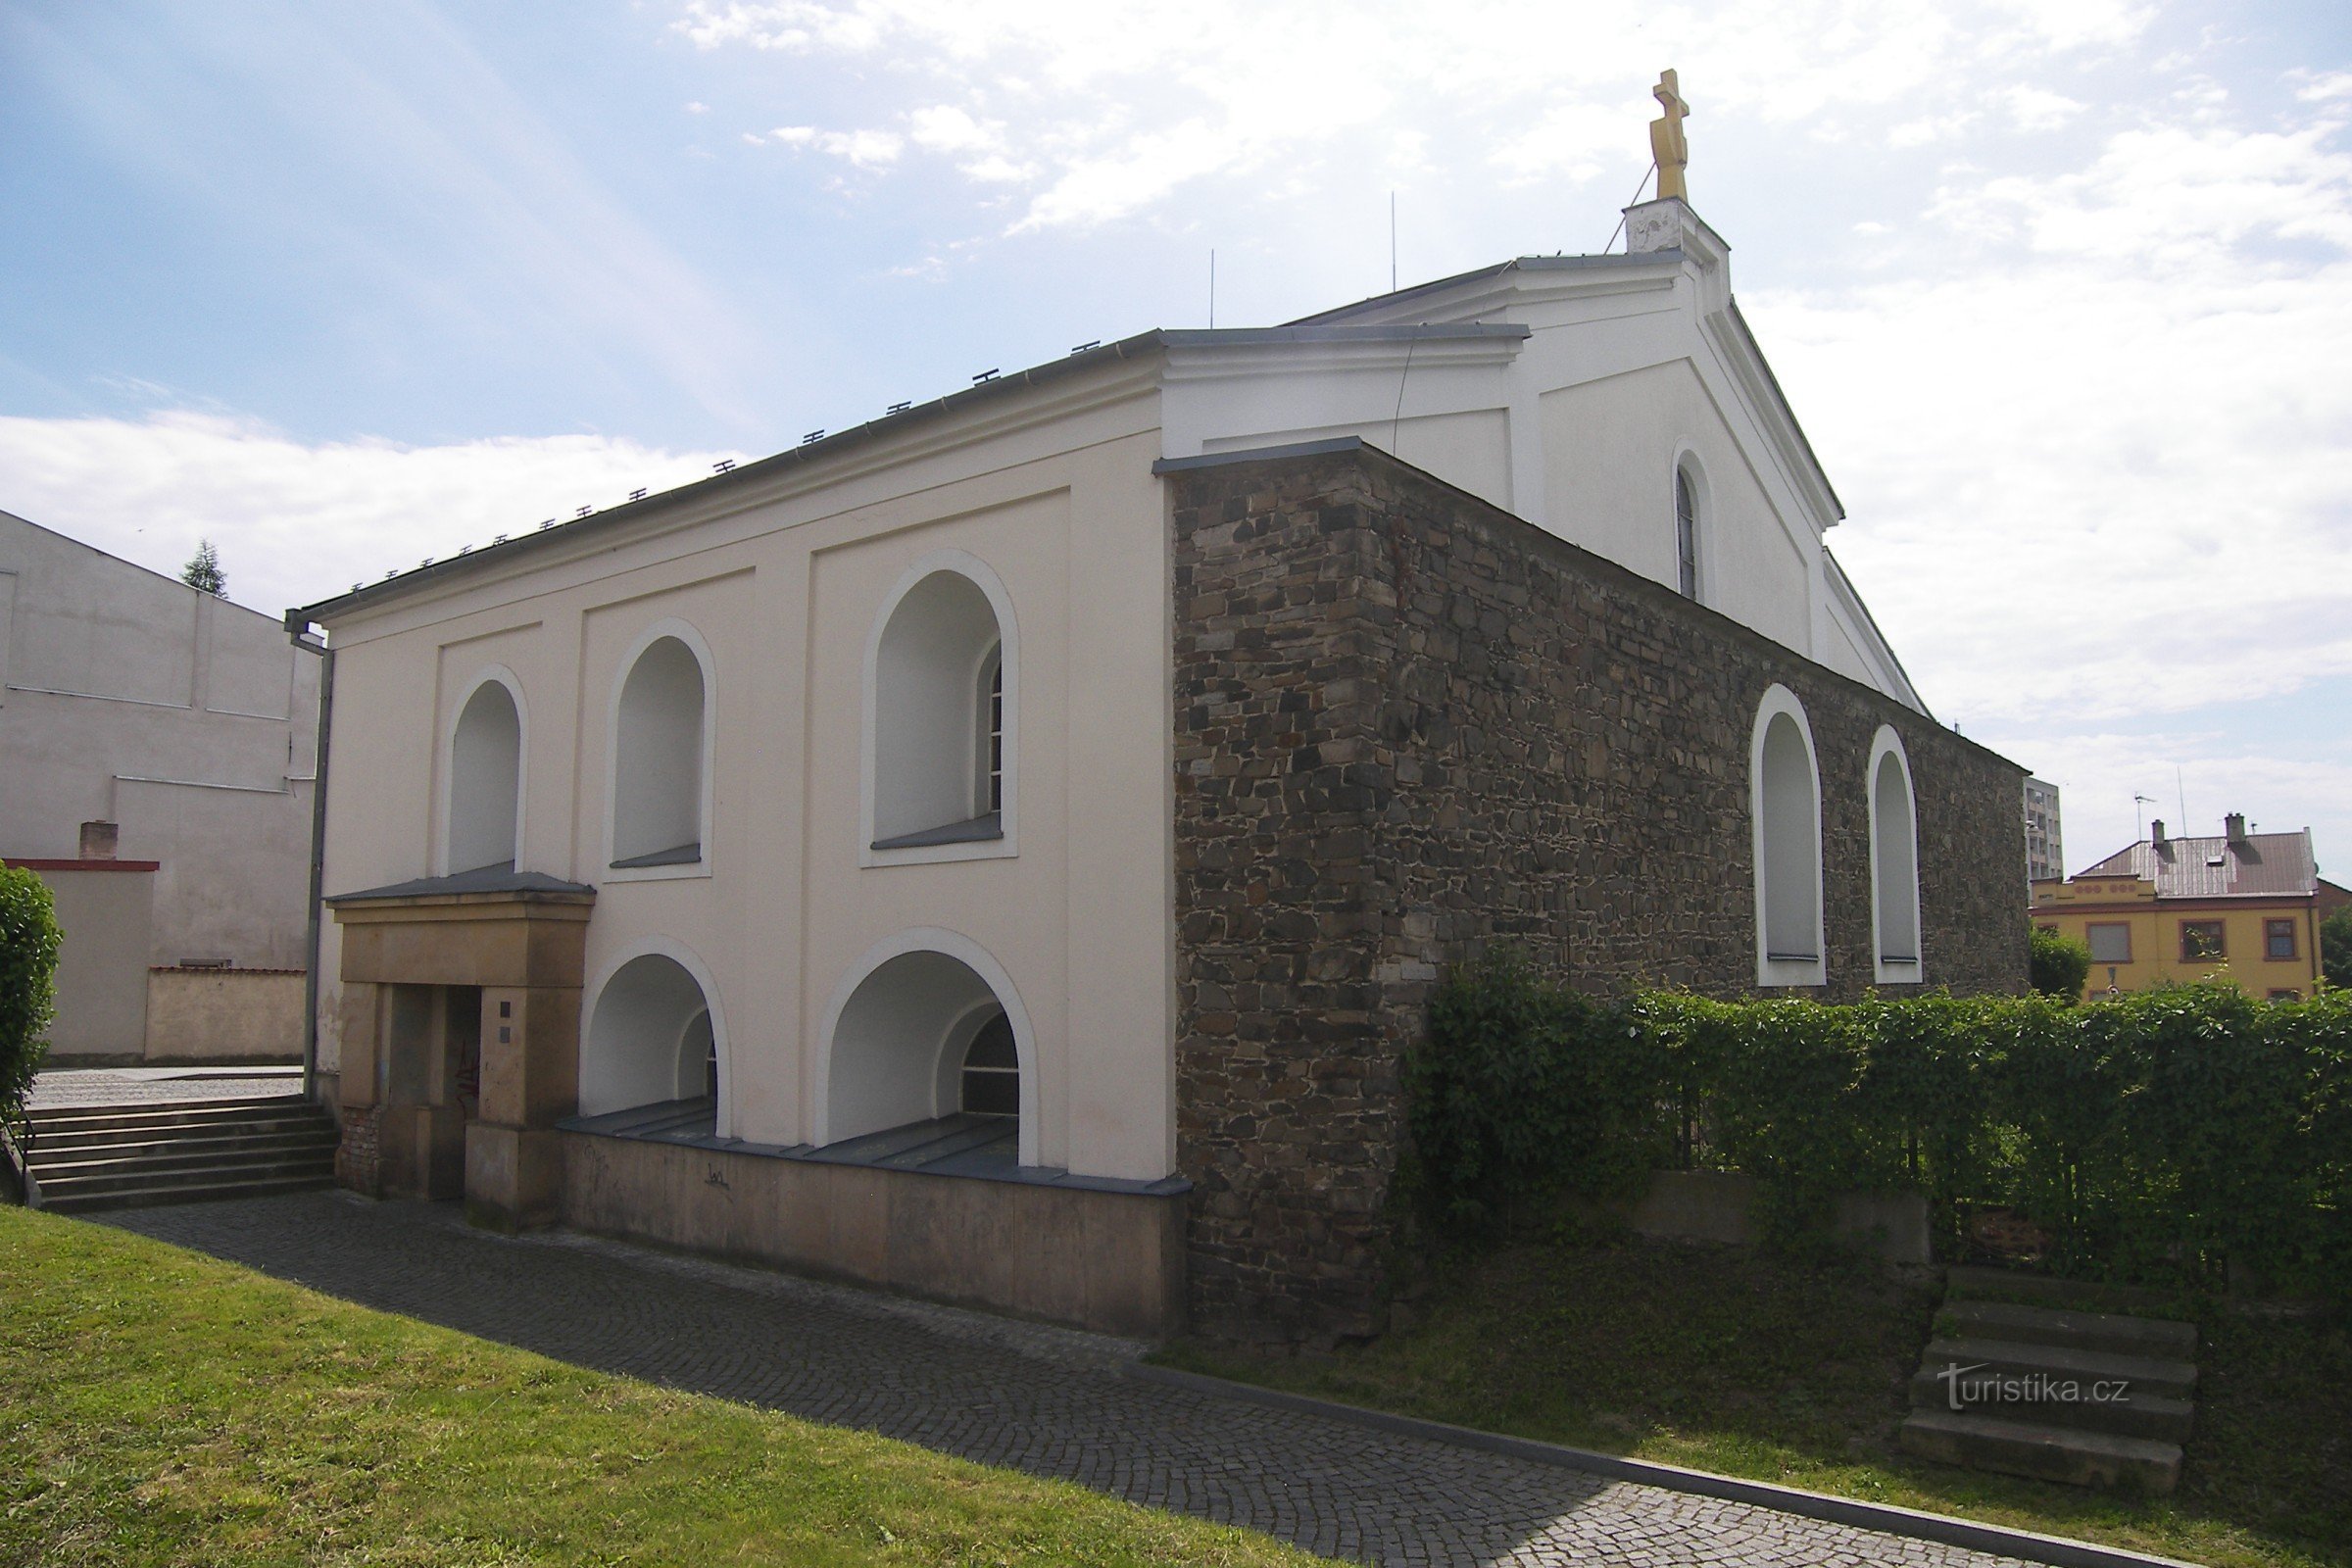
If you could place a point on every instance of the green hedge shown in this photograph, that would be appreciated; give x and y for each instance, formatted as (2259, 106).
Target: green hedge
(2167, 1135)
(28, 941)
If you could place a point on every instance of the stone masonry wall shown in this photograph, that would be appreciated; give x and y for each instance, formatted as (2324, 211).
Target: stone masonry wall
(1409, 724)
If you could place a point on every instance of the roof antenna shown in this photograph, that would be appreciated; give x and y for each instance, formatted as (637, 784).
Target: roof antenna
(1392, 241)
(1212, 288)
(2179, 784)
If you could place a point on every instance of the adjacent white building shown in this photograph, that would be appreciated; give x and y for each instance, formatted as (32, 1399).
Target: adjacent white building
(180, 729)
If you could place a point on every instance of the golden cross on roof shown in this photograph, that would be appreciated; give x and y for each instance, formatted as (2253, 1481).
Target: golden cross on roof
(1666, 144)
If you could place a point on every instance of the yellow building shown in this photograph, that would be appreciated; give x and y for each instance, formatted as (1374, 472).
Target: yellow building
(2243, 906)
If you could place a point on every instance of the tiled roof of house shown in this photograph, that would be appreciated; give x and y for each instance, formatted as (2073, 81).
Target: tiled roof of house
(2258, 865)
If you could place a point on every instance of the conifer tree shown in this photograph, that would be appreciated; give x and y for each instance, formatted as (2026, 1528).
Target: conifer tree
(203, 572)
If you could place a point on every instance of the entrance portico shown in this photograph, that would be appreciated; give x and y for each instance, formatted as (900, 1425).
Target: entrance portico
(461, 1048)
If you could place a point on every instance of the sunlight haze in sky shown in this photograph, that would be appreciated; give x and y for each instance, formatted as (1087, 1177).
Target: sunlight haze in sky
(2060, 289)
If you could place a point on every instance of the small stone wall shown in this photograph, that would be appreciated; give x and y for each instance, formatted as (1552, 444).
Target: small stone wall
(1408, 724)
(224, 1015)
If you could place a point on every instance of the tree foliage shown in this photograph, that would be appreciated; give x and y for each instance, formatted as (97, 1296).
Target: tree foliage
(2059, 963)
(204, 572)
(28, 942)
(2336, 948)
(2165, 1135)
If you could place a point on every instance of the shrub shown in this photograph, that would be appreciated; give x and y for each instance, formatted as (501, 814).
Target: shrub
(1581, 1083)
(2335, 949)
(28, 940)
(2058, 964)
(2168, 1134)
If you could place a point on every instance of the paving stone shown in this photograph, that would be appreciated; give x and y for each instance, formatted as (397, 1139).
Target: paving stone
(1045, 1400)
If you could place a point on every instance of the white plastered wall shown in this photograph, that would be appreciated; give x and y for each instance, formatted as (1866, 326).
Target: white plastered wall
(782, 586)
(1609, 453)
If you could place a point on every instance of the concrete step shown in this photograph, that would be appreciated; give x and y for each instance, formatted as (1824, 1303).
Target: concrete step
(51, 1164)
(1974, 1281)
(64, 1120)
(56, 1187)
(2161, 1377)
(2134, 1415)
(221, 1140)
(194, 1132)
(146, 1197)
(2045, 1453)
(2156, 1337)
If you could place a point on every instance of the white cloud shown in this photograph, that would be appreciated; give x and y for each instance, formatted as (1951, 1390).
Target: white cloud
(1932, 128)
(698, 108)
(2034, 109)
(866, 149)
(2092, 443)
(294, 522)
(1122, 103)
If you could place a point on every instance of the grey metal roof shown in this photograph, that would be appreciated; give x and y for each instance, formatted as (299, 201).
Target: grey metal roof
(2258, 865)
(1522, 264)
(487, 879)
(1155, 341)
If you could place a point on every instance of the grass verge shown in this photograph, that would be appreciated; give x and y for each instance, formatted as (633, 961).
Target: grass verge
(161, 1407)
(1795, 1373)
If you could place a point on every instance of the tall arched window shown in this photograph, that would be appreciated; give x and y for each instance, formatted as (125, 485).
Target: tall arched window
(482, 823)
(1686, 532)
(1785, 806)
(942, 694)
(1893, 862)
(660, 723)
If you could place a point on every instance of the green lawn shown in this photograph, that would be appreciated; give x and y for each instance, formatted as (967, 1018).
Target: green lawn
(157, 1406)
(1723, 1361)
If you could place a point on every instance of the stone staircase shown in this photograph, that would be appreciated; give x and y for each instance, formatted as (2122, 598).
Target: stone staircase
(87, 1157)
(2053, 1390)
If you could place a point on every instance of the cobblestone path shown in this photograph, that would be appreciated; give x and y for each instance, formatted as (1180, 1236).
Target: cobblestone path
(139, 1086)
(1049, 1401)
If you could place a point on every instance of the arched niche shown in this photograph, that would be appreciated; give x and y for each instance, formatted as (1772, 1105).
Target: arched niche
(1893, 863)
(652, 1038)
(1784, 809)
(482, 820)
(942, 774)
(661, 752)
(927, 1027)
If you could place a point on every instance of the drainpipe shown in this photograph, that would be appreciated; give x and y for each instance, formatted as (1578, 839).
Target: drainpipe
(295, 627)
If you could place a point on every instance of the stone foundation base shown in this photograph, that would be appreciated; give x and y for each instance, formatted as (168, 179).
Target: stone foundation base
(1108, 1261)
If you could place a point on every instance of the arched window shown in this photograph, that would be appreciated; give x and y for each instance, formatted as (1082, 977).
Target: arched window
(482, 823)
(927, 1039)
(1893, 862)
(942, 752)
(651, 1040)
(1785, 806)
(992, 1071)
(658, 746)
(1686, 532)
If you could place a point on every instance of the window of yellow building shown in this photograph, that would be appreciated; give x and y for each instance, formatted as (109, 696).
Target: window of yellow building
(2278, 939)
(2201, 938)
(2110, 941)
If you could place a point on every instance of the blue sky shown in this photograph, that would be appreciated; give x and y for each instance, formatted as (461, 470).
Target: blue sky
(2061, 291)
